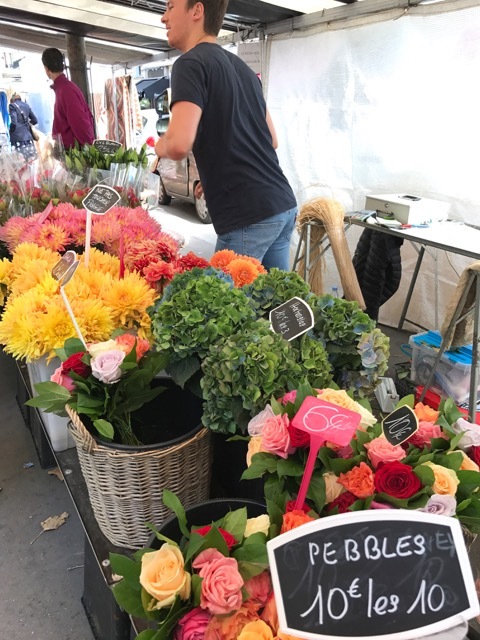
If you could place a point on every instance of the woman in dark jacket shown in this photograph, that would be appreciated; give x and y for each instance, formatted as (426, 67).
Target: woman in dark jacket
(21, 118)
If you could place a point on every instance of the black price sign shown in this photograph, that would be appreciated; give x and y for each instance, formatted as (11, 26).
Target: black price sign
(292, 318)
(399, 425)
(107, 146)
(369, 574)
(63, 271)
(100, 199)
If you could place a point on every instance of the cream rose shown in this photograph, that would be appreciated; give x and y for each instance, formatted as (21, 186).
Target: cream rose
(163, 576)
(332, 487)
(467, 464)
(254, 446)
(261, 524)
(342, 399)
(101, 347)
(446, 480)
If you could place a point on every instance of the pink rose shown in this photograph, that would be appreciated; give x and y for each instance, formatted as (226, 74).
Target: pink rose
(380, 450)
(289, 397)
(193, 625)
(62, 379)
(424, 434)
(106, 366)
(259, 588)
(276, 437)
(380, 505)
(222, 583)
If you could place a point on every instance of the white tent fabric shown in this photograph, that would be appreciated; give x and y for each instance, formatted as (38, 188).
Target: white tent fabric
(386, 107)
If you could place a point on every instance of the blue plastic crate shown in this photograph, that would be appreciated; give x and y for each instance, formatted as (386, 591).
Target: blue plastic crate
(452, 377)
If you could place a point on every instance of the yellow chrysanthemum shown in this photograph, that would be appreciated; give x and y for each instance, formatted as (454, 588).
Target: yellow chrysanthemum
(129, 298)
(104, 262)
(6, 272)
(88, 283)
(94, 319)
(38, 275)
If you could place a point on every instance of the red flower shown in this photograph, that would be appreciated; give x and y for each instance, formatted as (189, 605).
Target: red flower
(74, 363)
(474, 454)
(343, 501)
(397, 480)
(189, 261)
(229, 539)
(150, 141)
(290, 506)
(298, 438)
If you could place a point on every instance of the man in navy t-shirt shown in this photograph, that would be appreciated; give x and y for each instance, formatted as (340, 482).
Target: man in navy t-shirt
(218, 112)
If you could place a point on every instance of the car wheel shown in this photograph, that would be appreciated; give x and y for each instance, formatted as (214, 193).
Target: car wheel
(202, 210)
(163, 197)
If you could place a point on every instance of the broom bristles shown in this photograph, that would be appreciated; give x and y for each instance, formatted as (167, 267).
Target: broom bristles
(328, 217)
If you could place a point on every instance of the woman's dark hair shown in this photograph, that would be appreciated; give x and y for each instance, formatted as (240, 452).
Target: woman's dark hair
(53, 59)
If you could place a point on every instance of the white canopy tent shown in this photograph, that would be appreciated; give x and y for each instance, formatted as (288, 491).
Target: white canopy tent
(387, 103)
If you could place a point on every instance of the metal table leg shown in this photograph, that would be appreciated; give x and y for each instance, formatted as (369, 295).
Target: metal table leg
(411, 287)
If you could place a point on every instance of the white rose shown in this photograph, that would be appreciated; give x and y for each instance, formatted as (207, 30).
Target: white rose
(367, 419)
(261, 524)
(255, 426)
(471, 434)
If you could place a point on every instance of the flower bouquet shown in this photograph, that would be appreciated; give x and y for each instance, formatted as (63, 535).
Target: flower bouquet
(212, 584)
(436, 470)
(104, 383)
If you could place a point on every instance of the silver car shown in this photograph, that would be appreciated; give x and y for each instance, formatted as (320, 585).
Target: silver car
(178, 179)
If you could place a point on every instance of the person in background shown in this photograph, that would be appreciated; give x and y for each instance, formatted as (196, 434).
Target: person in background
(21, 118)
(218, 111)
(72, 118)
(4, 122)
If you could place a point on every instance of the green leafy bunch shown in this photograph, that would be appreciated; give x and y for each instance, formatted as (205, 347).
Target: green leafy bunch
(241, 373)
(357, 350)
(282, 477)
(228, 535)
(79, 159)
(270, 290)
(109, 408)
(199, 309)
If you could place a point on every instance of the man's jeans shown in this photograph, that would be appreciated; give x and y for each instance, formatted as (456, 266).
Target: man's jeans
(268, 240)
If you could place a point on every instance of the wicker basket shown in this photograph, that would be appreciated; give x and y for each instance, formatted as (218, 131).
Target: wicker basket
(125, 488)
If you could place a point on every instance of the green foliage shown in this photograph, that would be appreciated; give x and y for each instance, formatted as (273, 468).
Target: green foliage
(357, 350)
(242, 372)
(270, 290)
(79, 160)
(198, 310)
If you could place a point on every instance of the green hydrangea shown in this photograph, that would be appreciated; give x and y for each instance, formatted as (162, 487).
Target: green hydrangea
(270, 290)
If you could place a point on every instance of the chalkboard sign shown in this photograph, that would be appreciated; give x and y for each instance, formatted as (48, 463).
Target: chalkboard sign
(370, 574)
(100, 199)
(107, 146)
(399, 425)
(292, 318)
(65, 268)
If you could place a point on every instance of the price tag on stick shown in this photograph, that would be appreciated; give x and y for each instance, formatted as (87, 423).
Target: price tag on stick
(292, 318)
(399, 425)
(323, 421)
(63, 272)
(98, 200)
(108, 147)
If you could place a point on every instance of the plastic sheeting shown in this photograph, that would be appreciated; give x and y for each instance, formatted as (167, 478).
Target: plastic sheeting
(387, 107)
